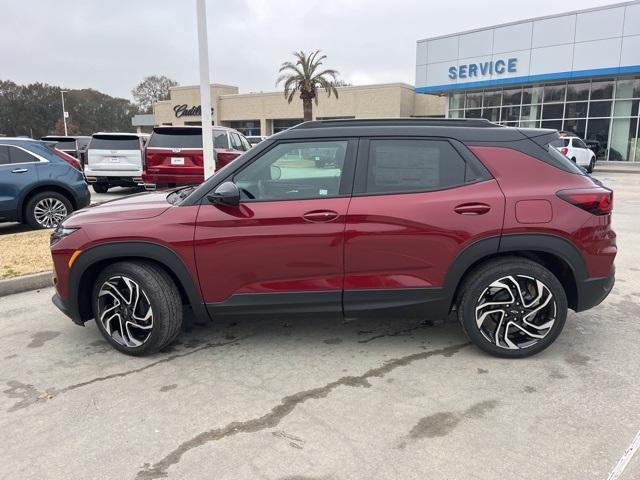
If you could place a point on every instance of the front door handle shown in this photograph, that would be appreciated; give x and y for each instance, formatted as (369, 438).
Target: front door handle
(472, 209)
(320, 216)
(20, 170)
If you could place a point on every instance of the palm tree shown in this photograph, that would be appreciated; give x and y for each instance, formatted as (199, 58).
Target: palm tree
(304, 77)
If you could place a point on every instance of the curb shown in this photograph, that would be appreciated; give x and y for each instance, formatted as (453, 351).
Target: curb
(25, 283)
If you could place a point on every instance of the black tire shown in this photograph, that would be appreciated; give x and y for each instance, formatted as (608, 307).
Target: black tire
(100, 187)
(163, 298)
(477, 284)
(31, 216)
(592, 165)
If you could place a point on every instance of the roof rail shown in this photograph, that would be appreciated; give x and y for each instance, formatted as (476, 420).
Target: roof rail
(398, 122)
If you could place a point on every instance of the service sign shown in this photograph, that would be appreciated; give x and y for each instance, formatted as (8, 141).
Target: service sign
(483, 69)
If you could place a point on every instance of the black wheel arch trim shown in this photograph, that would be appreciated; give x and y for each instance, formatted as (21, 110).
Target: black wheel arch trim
(119, 251)
(43, 186)
(497, 245)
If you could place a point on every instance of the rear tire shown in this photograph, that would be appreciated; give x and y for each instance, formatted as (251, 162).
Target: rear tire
(47, 210)
(512, 307)
(100, 187)
(137, 307)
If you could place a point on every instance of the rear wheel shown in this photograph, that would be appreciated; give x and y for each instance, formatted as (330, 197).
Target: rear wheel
(47, 210)
(512, 307)
(137, 307)
(101, 187)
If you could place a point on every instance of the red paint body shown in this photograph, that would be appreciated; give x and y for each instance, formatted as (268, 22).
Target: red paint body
(367, 242)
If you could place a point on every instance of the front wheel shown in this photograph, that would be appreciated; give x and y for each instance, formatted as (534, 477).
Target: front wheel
(512, 307)
(592, 165)
(137, 307)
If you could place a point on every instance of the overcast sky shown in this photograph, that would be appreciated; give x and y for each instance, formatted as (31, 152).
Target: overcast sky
(110, 45)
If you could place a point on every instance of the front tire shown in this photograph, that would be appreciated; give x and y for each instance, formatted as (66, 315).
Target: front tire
(137, 307)
(47, 210)
(592, 165)
(512, 307)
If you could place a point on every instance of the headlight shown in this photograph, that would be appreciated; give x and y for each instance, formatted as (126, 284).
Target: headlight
(61, 232)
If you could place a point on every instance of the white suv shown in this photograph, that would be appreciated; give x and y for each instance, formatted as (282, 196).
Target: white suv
(577, 151)
(114, 159)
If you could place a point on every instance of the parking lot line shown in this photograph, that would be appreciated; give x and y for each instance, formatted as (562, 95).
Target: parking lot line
(625, 459)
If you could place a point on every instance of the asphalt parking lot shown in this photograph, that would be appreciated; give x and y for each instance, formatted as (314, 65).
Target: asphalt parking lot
(316, 399)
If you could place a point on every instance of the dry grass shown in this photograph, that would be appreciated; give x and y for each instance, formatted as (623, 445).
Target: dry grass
(23, 253)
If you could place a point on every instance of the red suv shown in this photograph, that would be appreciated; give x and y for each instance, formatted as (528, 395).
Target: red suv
(406, 218)
(173, 155)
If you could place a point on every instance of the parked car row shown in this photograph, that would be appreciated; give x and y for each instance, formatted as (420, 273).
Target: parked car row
(170, 156)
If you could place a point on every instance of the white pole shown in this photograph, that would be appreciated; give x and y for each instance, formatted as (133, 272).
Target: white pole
(205, 90)
(64, 113)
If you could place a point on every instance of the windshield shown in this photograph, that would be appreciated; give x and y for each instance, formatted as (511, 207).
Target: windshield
(114, 142)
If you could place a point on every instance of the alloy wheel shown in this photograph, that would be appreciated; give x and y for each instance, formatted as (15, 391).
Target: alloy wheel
(515, 312)
(49, 212)
(124, 311)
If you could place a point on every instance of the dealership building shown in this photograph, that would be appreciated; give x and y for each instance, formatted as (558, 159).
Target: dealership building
(577, 71)
(268, 113)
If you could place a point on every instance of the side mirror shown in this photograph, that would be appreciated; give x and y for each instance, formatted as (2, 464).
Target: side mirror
(226, 194)
(276, 172)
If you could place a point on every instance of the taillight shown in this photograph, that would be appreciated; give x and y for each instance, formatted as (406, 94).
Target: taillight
(67, 158)
(564, 151)
(598, 201)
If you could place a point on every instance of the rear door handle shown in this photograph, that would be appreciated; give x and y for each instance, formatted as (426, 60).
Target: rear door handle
(472, 209)
(20, 170)
(320, 216)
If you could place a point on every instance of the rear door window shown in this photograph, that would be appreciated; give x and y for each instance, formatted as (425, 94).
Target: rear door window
(4, 155)
(114, 142)
(220, 139)
(245, 143)
(17, 155)
(401, 166)
(235, 142)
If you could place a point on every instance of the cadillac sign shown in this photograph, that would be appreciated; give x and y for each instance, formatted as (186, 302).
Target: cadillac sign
(185, 111)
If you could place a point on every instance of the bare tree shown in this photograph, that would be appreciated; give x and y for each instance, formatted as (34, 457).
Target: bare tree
(151, 90)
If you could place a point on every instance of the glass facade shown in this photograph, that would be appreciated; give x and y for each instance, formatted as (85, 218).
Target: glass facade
(604, 112)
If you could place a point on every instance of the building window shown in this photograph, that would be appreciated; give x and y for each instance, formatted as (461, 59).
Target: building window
(246, 127)
(605, 112)
(282, 124)
(602, 90)
(555, 93)
(578, 91)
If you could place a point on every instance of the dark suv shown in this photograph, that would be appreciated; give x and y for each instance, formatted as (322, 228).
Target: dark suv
(408, 218)
(39, 184)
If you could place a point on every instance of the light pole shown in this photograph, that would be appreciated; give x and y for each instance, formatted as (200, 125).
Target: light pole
(205, 90)
(64, 112)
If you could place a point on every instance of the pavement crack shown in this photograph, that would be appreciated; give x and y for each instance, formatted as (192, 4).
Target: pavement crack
(284, 408)
(29, 400)
(394, 334)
